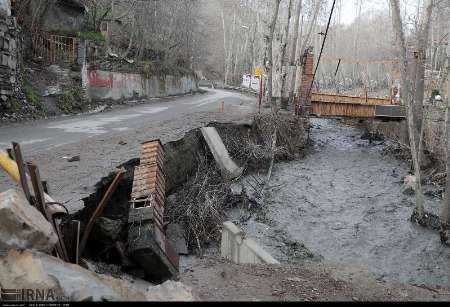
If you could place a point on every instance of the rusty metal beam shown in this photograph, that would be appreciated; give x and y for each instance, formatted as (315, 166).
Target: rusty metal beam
(41, 205)
(21, 167)
(98, 211)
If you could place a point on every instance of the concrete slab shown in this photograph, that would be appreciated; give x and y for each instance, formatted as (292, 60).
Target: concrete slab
(239, 249)
(227, 166)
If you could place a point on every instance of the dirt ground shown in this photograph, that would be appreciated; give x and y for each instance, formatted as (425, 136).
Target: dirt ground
(215, 279)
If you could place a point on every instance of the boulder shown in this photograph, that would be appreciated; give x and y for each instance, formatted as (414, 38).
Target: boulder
(62, 15)
(170, 291)
(5, 8)
(35, 270)
(22, 226)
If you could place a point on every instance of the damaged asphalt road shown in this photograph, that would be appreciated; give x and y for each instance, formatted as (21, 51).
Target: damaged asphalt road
(48, 134)
(99, 138)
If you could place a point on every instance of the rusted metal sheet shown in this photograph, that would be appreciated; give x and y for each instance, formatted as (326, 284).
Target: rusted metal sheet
(344, 99)
(393, 111)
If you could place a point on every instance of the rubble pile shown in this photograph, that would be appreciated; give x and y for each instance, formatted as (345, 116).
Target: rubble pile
(25, 237)
(42, 248)
(125, 243)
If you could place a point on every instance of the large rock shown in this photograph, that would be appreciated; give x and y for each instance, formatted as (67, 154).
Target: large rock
(22, 226)
(36, 270)
(62, 15)
(22, 270)
(5, 8)
(170, 291)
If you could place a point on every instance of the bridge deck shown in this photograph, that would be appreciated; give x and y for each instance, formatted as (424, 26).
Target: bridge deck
(354, 106)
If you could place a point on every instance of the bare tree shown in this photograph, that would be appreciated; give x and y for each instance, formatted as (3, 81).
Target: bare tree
(306, 40)
(268, 61)
(296, 40)
(409, 93)
(284, 68)
(445, 211)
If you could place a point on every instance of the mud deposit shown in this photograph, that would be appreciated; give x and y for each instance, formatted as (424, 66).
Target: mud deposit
(344, 202)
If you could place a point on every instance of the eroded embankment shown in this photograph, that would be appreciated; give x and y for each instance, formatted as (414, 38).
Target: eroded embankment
(345, 202)
(197, 197)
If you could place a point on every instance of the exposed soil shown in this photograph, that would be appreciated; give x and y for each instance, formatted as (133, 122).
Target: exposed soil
(215, 279)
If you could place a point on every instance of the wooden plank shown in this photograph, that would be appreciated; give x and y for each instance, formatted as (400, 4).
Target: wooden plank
(343, 99)
(339, 109)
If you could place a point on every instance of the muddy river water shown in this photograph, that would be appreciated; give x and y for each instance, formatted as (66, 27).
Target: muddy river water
(344, 202)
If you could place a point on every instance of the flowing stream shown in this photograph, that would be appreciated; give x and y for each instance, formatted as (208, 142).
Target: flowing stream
(344, 201)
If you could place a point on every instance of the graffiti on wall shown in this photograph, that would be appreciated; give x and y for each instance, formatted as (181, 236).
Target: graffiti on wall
(94, 79)
(97, 78)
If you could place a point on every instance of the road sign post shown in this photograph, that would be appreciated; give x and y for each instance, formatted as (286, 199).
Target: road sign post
(259, 72)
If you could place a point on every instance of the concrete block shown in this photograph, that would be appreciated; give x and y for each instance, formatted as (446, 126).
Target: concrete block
(226, 165)
(239, 249)
(22, 226)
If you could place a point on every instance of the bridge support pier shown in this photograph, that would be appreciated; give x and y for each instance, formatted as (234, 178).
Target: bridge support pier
(303, 105)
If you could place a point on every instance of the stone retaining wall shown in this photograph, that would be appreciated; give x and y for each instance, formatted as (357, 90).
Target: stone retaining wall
(9, 41)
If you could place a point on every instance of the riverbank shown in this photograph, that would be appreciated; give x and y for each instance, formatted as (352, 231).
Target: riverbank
(344, 201)
(338, 222)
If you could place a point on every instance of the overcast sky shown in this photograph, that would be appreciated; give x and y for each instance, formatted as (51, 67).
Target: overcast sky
(349, 8)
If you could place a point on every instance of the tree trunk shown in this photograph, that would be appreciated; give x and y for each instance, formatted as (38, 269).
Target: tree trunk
(224, 45)
(419, 95)
(407, 97)
(284, 63)
(295, 42)
(231, 47)
(445, 210)
(269, 53)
